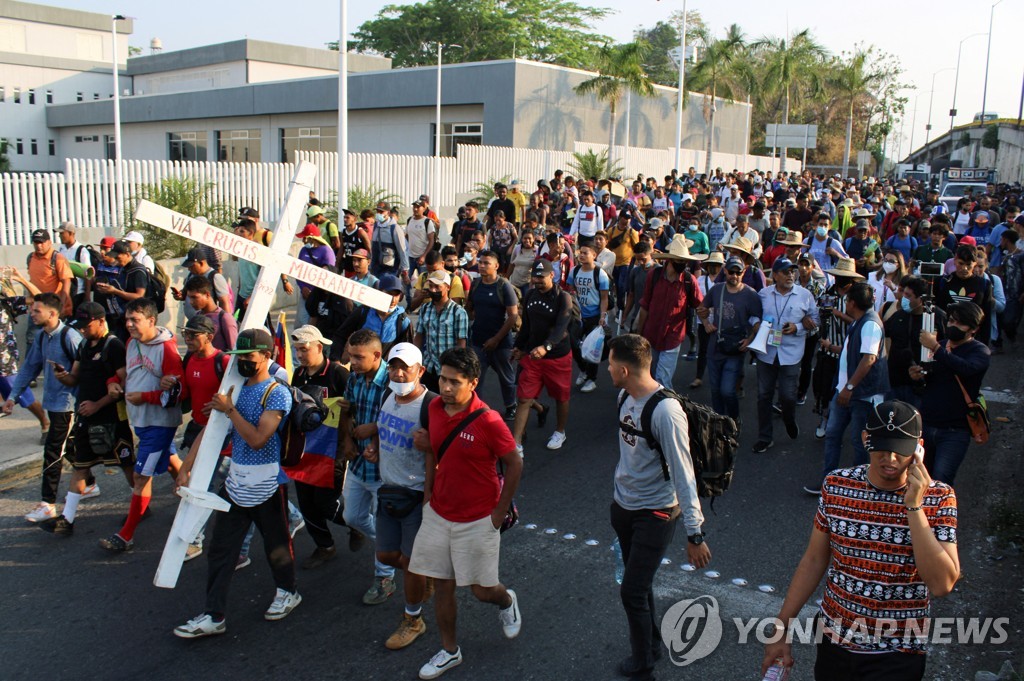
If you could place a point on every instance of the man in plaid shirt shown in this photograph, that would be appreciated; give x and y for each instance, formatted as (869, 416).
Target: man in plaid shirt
(443, 325)
(364, 392)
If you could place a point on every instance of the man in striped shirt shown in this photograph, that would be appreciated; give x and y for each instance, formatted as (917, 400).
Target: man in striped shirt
(254, 486)
(884, 538)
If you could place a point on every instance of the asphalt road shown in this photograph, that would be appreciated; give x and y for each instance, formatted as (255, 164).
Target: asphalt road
(70, 609)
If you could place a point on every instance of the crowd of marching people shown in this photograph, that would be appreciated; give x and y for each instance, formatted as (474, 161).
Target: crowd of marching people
(868, 299)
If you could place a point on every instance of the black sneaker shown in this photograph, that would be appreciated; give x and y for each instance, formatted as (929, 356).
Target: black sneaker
(631, 669)
(793, 430)
(542, 416)
(761, 446)
(356, 539)
(510, 413)
(115, 544)
(58, 525)
(801, 399)
(320, 555)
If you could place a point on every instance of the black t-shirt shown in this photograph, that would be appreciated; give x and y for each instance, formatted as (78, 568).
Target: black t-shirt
(98, 362)
(330, 310)
(133, 277)
(464, 229)
(489, 308)
(903, 329)
(506, 206)
(795, 219)
(545, 315)
(350, 243)
(952, 289)
(331, 378)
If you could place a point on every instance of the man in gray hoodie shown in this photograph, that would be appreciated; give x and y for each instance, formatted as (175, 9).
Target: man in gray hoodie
(154, 413)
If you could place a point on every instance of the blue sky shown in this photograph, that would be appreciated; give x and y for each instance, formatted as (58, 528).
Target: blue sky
(925, 36)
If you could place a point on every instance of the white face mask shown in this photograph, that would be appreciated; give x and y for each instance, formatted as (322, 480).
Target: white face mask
(401, 389)
(889, 267)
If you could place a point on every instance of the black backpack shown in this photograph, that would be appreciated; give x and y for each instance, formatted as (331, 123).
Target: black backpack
(714, 440)
(308, 412)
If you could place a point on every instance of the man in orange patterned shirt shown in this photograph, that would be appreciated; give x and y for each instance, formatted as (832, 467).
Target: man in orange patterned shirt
(886, 535)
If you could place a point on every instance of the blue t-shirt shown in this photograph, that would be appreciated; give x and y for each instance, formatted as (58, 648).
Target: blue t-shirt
(996, 259)
(588, 291)
(255, 473)
(905, 246)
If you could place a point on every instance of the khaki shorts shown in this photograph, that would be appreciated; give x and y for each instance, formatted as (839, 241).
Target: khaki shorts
(465, 552)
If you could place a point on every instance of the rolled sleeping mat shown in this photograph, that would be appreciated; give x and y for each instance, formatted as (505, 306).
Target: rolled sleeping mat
(81, 271)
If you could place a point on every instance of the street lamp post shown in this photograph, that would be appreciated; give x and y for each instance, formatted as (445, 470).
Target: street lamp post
(931, 97)
(956, 81)
(343, 109)
(988, 54)
(437, 130)
(118, 188)
(680, 93)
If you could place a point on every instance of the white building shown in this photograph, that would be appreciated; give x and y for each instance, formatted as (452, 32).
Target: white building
(50, 55)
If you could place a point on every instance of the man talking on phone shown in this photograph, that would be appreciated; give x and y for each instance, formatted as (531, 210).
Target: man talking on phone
(884, 537)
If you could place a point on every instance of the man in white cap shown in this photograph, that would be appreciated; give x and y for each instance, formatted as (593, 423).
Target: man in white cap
(135, 241)
(72, 250)
(329, 230)
(443, 324)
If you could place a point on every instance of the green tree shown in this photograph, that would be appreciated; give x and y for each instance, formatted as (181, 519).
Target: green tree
(722, 70)
(990, 140)
(663, 38)
(483, 192)
(619, 68)
(186, 196)
(552, 31)
(791, 64)
(593, 164)
(852, 82)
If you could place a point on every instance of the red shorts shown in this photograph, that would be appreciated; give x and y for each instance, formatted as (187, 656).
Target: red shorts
(553, 374)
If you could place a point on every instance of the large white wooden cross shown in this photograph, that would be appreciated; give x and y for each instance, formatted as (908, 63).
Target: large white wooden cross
(196, 501)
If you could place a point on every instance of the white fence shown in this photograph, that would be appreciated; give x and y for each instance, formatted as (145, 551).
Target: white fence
(86, 192)
(658, 162)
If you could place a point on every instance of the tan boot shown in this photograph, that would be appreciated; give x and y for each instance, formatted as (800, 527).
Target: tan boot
(410, 629)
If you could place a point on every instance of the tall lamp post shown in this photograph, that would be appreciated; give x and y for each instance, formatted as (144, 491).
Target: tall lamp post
(931, 97)
(343, 109)
(956, 81)
(988, 55)
(118, 188)
(437, 129)
(681, 92)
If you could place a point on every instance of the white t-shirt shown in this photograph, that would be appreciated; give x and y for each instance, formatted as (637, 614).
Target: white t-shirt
(418, 232)
(870, 344)
(79, 253)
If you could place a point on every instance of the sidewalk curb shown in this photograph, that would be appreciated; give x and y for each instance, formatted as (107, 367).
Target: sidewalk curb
(17, 471)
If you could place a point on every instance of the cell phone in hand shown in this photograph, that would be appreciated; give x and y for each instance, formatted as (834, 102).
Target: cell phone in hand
(56, 367)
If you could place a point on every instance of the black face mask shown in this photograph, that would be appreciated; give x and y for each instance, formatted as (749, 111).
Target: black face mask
(246, 368)
(955, 333)
(435, 296)
(450, 268)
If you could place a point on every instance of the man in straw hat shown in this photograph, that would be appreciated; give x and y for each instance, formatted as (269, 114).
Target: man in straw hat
(742, 248)
(669, 294)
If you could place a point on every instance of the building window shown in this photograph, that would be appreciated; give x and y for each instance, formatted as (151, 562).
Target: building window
(3, 94)
(294, 140)
(49, 96)
(454, 134)
(187, 146)
(52, 146)
(80, 97)
(238, 146)
(34, 147)
(110, 146)
(17, 95)
(19, 148)
(31, 96)
(95, 96)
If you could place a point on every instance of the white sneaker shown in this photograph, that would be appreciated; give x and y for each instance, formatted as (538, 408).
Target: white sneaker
(588, 387)
(91, 492)
(194, 550)
(519, 450)
(295, 524)
(43, 511)
(510, 620)
(440, 663)
(284, 603)
(203, 625)
(243, 562)
(556, 440)
(820, 431)
(581, 379)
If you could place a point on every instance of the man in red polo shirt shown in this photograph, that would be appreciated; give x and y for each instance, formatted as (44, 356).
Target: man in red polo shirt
(465, 503)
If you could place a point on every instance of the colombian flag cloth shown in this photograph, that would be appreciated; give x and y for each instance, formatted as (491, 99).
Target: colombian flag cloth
(317, 465)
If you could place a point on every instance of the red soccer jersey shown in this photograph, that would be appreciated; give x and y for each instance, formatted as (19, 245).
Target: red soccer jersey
(466, 481)
(199, 382)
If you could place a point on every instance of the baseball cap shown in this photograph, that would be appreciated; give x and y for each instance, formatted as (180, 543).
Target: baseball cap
(346, 211)
(687, 197)
(360, 253)
(781, 264)
(88, 312)
(200, 323)
(734, 263)
(309, 334)
(135, 236)
(541, 268)
(383, 205)
(107, 241)
(791, 201)
(417, 203)
(968, 240)
(40, 236)
(248, 212)
(252, 340)
(893, 426)
(389, 283)
(408, 353)
(194, 255)
(120, 247)
(439, 277)
(655, 224)
(67, 227)
(425, 198)
(313, 211)
(981, 217)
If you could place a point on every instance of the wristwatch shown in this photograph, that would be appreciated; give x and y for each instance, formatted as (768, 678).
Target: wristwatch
(696, 539)
(547, 347)
(850, 387)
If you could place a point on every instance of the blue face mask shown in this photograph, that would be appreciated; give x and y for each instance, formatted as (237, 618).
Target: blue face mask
(822, 231)
(905, 304)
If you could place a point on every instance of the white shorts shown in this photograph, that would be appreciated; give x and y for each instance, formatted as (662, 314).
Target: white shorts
(465, 552)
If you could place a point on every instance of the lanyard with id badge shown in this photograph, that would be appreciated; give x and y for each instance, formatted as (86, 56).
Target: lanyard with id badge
(775, 335)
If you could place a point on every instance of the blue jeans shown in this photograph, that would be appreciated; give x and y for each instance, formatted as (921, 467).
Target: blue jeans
(724, 372)
(854, 415)
(944, 451)
(663, 365)
(501, 361)
(360, 506)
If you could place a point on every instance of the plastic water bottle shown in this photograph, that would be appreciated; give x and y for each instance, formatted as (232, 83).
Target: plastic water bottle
(620, 568)
(776, 672)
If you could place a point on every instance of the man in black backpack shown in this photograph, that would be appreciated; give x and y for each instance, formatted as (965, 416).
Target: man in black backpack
(651, 492)
(131, 283)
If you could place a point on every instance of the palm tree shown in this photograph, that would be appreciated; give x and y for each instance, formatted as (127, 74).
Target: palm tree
(620, 68)
(791, 64)
(722, 71)
(852, 83)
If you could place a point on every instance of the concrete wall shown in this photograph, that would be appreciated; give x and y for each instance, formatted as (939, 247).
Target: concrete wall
(263, 72)
(227, 74)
